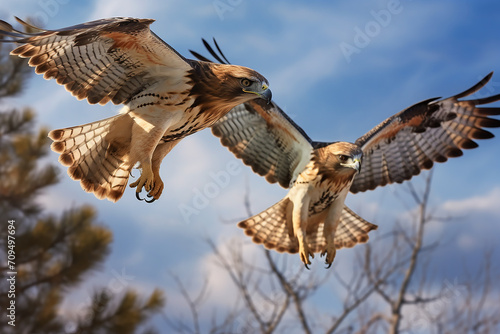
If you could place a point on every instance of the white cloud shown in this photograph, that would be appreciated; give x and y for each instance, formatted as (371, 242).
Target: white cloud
(174, 19)
(488, 203)
(311, 68)
(126, 8)
(222, 288)
(223, 292)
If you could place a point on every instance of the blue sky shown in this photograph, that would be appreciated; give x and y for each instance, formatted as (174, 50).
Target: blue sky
(338, 69)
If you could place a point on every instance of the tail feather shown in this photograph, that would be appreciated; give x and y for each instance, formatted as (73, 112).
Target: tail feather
(351, 230)
(92, 158)
(270, 228)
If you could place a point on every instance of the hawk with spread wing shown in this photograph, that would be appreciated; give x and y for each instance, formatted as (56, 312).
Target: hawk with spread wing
(166, 97)
(312, 217)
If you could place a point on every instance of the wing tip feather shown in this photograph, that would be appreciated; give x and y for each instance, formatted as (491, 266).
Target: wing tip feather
(476, 87)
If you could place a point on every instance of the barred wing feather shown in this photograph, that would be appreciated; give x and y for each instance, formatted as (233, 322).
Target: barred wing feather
(427, 132)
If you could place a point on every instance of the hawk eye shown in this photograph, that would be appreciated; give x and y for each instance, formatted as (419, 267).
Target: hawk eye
(343, 158)
(245, 82)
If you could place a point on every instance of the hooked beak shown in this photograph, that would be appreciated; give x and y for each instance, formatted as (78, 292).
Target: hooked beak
(267, 95)
(263, 93)
(355, 164)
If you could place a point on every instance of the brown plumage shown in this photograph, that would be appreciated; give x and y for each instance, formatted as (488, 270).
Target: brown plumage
(166, 97)
(312, 218)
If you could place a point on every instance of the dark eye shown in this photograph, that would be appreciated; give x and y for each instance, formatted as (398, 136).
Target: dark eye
(343, 158)
(245, 82)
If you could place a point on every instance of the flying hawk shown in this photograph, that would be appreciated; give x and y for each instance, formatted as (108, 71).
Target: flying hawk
(312, 217)
(166, 97)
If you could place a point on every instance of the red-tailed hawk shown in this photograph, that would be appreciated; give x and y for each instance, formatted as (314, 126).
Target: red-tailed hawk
(312, 217)
(166, 97)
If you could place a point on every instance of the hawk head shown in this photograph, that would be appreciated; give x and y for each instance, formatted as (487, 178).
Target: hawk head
(339, 159)
(242, 82)
(226, 86)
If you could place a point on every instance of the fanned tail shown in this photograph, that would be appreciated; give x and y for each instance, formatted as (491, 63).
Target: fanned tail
(97, 161)
(270, 229)
(352, 229)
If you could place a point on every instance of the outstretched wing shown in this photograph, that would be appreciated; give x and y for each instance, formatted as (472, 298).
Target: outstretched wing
(101, 61)
(263, 136)
(427, 132)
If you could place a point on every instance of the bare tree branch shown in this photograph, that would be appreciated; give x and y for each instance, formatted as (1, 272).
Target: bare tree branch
(393, 271)
(287, 287)
(399, 302)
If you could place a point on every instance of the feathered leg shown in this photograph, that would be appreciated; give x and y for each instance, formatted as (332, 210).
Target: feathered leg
(300, 214)
(147, 131)
(329, 230)
(160, 152)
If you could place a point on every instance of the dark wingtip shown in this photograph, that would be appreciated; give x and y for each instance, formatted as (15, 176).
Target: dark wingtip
(28, 25)
(5, 26)
(220, 57)
(476, 87)
(199, 56)
(212, 51)
(220, 51)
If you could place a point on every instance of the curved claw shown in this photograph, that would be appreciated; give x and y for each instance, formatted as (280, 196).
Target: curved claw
(144, 199)
(137, 196)
(150, 200)
(329, 265)
(306, 266)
